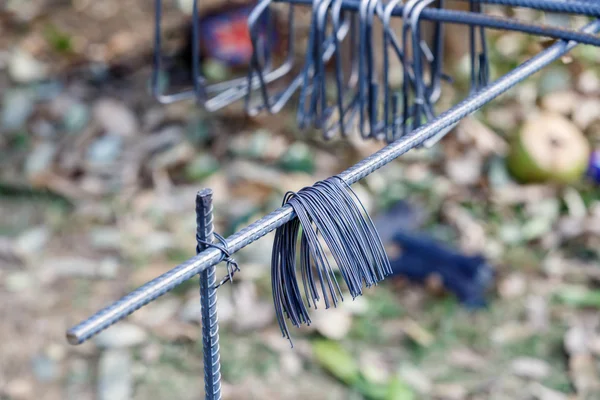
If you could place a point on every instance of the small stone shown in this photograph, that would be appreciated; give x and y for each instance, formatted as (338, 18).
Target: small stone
(106, 238)
(108, 268)
(45, 369)
(563, 102)
(594, 345)
(23, 11)
(527, 94)
(513, 286)
(449, 391)
(548, 208)
(153, 117)
(334, 323)
(357, 306)
(576, 340)
(105, 149)
(510, 45)
(467, 359)
(298, 158)
(498, 175)
(535, 228)
(510, 333)
(19, 389)
(42, 129)
(151, 353)
(260, 145)
(32, 241)
(179, 154)
(555, 79)
(466, 169)
(76, 117)
(215, 70)
(24, 68)
(201, 167)
(114, 375)
(291, 363)
(18, 281)
(157, 242)
(538, 313)
(483, 139)
(588, 82)
(530, 368)
(570, 227)
(77, 380)
(46, 91)
(418, 334)
(586, 113)
(187, 6)
(40, 160)
(121, 336)
(56, 352)
(115, 117)
(510, 233)
(415, 378)
(575, 204)
(502, 118)
(584, 375)
(18, 105)
(541, 392)
(257, 174)
(373, 367)
(554, 265)
(53, 268)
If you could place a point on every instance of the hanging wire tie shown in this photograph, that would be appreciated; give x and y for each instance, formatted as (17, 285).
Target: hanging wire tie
(232, 265)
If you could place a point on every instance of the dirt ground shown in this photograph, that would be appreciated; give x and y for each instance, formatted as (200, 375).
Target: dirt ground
(97, 191)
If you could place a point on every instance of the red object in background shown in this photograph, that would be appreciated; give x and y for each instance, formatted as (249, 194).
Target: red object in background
(226, 38)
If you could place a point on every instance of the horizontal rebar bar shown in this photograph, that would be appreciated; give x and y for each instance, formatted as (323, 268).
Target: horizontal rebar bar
(491, 21)
(578, 7)
(166, 282)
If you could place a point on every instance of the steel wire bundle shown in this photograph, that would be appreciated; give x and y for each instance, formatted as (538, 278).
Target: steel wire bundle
(365, 101)
(329, 210)
(364, 97)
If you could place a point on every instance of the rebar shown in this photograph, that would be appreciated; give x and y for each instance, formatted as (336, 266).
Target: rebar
(208, 298)
(353, 21)
(211, 256)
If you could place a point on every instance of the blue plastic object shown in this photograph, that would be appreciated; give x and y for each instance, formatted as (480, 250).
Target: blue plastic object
(468, 277)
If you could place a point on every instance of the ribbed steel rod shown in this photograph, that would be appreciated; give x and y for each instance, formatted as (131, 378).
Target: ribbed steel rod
(487, 21)
(166, 282)
(208, 299)
(588, 8)
(582, 7)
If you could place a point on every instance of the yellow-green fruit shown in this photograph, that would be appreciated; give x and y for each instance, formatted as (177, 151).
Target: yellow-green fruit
(549, 148)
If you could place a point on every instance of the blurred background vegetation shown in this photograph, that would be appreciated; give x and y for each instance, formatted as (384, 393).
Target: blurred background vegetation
(97, 191)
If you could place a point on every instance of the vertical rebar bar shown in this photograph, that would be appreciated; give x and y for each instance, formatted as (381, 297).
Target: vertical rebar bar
(208, 299)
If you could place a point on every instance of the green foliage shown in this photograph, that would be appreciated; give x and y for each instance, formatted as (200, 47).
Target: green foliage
(576, 296)
(336, 360)
(60, 41)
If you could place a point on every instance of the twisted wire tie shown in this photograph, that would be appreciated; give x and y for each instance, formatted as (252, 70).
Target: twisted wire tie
(232, 265)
